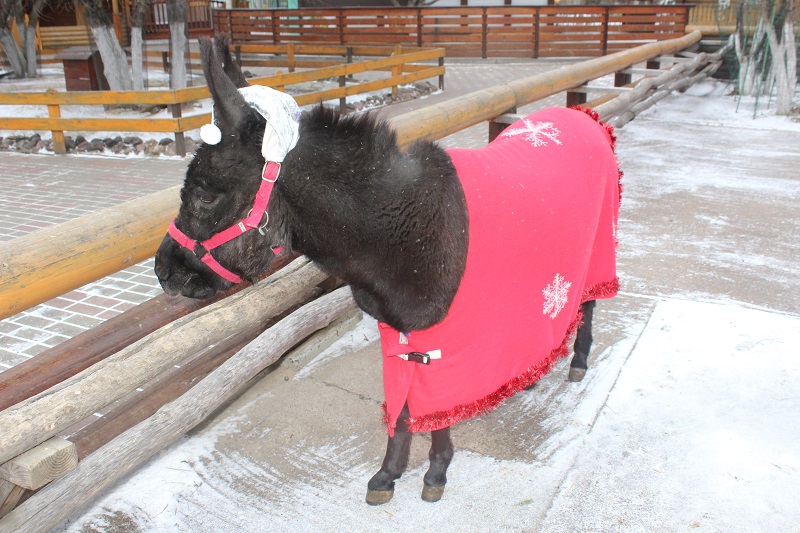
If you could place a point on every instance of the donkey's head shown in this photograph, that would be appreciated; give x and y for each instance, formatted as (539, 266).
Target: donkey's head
(222, 234)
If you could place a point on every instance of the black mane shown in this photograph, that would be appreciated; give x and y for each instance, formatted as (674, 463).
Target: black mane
(393, 224)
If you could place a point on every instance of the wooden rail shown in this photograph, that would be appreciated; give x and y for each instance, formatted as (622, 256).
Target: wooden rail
(534, 31)
(433, 122)
(403, 67)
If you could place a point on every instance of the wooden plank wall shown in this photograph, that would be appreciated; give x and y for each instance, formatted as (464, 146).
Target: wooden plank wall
(508, 31)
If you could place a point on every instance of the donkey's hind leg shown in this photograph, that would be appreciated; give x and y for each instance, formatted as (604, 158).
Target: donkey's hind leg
(380, 488)
(583, 342)
(440, 456)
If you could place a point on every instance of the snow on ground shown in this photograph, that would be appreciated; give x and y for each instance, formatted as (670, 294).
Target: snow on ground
(699, 433)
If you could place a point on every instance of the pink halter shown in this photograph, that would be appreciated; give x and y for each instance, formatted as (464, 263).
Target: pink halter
(203, 249)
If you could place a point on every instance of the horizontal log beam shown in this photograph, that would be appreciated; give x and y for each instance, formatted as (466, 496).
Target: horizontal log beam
(52, 261)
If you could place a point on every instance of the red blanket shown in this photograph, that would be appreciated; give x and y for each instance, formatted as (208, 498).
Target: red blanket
(543, 201)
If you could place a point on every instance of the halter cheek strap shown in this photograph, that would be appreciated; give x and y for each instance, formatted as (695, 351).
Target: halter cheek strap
(202, 250)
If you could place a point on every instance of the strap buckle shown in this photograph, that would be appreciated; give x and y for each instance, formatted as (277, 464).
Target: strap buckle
(420, 357)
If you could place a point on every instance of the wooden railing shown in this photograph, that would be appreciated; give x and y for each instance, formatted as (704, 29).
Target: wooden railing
(535, 31)
(404, 68)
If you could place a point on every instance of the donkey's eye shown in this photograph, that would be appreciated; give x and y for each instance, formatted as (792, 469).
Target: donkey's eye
(205, 196)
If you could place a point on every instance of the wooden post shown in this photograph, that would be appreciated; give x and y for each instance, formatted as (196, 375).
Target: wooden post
(606, 12)
(419, 27)
(340, 21)
(441, 76)
(397, 70)
(54, 111)
(165, 60)
(621, 79)
(290, 56)
(343, 99)
(484, 33)
(536, 32)
(575, 98)
(498, 124)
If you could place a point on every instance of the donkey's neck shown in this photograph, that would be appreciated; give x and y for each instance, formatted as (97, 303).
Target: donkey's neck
(391, 224)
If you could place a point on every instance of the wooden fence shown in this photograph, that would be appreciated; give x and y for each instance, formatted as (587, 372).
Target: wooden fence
(198, 18)
(536, 31)
(404, 67)
(177, 365)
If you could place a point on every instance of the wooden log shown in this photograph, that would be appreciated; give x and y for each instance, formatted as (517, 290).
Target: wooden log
(437, 121)
(40, 465)
(49, 262)
(85, 349)
(62, 497)
(36, 419)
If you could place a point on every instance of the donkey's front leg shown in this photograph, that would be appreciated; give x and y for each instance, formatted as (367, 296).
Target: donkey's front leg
(440, 455)
(380, 488)
(583, 343)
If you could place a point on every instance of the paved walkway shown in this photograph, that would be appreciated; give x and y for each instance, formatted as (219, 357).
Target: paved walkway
(37, 191)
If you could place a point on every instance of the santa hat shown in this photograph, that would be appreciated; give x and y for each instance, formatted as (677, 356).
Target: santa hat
(282, 115)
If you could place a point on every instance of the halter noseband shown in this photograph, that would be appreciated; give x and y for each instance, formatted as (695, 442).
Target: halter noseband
(202, 250)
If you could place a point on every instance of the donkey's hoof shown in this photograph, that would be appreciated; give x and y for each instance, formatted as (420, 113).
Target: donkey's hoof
(432, 494)
(379, 497)
(576, 374)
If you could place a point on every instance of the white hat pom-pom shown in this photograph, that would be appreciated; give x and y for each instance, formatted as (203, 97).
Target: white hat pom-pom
(210, 134)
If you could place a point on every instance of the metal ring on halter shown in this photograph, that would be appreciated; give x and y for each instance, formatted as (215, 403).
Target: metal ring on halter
(262, 229)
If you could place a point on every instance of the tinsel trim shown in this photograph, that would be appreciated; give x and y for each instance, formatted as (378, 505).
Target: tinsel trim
(613, 136)
(442, 419)
(608, 127)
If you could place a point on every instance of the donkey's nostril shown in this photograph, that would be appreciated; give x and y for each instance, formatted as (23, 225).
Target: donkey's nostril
(162, 271)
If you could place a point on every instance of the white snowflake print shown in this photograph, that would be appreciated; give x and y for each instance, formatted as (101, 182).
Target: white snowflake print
(555, 296)
(536, 133)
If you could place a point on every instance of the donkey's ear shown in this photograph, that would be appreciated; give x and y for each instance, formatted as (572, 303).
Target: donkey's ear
(228, 64)
(230, 108)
